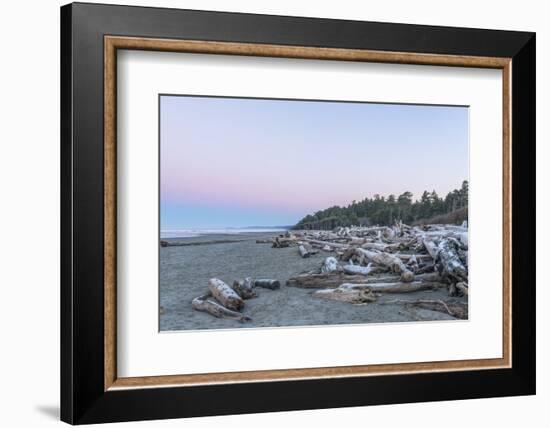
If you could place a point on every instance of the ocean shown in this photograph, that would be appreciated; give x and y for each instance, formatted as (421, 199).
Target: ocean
(194, 232)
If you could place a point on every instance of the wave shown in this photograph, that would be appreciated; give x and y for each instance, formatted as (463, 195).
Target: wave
(191, 233)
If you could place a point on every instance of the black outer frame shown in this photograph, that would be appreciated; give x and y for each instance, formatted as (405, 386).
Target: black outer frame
(83, 399)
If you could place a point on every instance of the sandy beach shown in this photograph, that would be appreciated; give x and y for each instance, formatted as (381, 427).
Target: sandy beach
(185, 271)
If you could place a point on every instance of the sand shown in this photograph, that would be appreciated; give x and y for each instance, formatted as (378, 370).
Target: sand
(185, 271)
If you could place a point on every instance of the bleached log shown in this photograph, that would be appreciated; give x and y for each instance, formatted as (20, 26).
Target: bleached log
(380, 246)
(463, 238)
(357, 270)
(323, 280)
(394, 287)
(271, 284)
(282, 242)
(224, 294)
(335, 279)
(450, 262)
(431, 248)
(206, 304)
(389, 260)
(347, 254)
(326, 243)
(452, 289)
(412, 263)
(330, 265)
(407, 257)
(303, 252)
(346, 295)
(388, 232)
(463, 287)
(327, 248)
(244, 288)
(426, 268)
(463, 255)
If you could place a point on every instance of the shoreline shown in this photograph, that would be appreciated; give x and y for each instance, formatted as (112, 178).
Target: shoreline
(186, 269)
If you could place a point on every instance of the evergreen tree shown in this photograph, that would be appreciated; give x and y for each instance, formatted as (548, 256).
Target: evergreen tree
(386, 211)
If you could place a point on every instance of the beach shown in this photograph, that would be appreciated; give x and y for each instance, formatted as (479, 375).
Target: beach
(186, 269)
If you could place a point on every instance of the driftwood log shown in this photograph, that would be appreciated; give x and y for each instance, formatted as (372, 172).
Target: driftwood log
(390, 248)
(205, 303)
(322, 280)
(323, 244)
(330, 265)
(303, 251)
(394, 287)
(394, 263)
(335, 279)
(224, 294)
(462, 287)
(450, 264)
(271, 284)
(357, 270)
(364, 293)
(244, 288)
(347, 296)
(412, 263)
(431, 248)
(282, 242)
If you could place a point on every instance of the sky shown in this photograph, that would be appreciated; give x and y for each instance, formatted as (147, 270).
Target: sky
(236, 162)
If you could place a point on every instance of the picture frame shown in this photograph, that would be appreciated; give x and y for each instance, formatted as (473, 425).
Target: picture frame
(91, 390)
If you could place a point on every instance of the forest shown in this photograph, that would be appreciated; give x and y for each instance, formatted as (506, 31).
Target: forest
(384, 211)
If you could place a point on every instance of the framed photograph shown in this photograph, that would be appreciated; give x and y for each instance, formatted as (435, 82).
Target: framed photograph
(266, 213)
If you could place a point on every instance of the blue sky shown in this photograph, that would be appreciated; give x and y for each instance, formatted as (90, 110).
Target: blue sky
(232, 162)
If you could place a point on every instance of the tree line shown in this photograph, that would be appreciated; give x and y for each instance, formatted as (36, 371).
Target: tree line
(383, 211)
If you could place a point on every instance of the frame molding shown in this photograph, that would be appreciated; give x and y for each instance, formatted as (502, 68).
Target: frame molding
(90, 390)
(113, 43)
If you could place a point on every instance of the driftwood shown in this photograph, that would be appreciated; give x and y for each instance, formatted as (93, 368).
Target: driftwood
(393, 287)
(462, 287)
(303, 252)
(455, 309)
(431, 248)
(329, 265)
(326, 243)
(282, 242)
(364, 293)
(271, 284)
(224, 294)
(391, 261)
(382, 247)
(407, 257)
(357, 270)
(322, 280)
(450, 264)
(347, 296)
(427, 268)
(244, 288)
(413, 258)
(348, 254)
(335, 279)
(206, 304)
(412, 263)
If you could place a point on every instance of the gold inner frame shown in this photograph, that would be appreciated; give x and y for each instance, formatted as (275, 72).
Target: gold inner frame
(112, 43)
